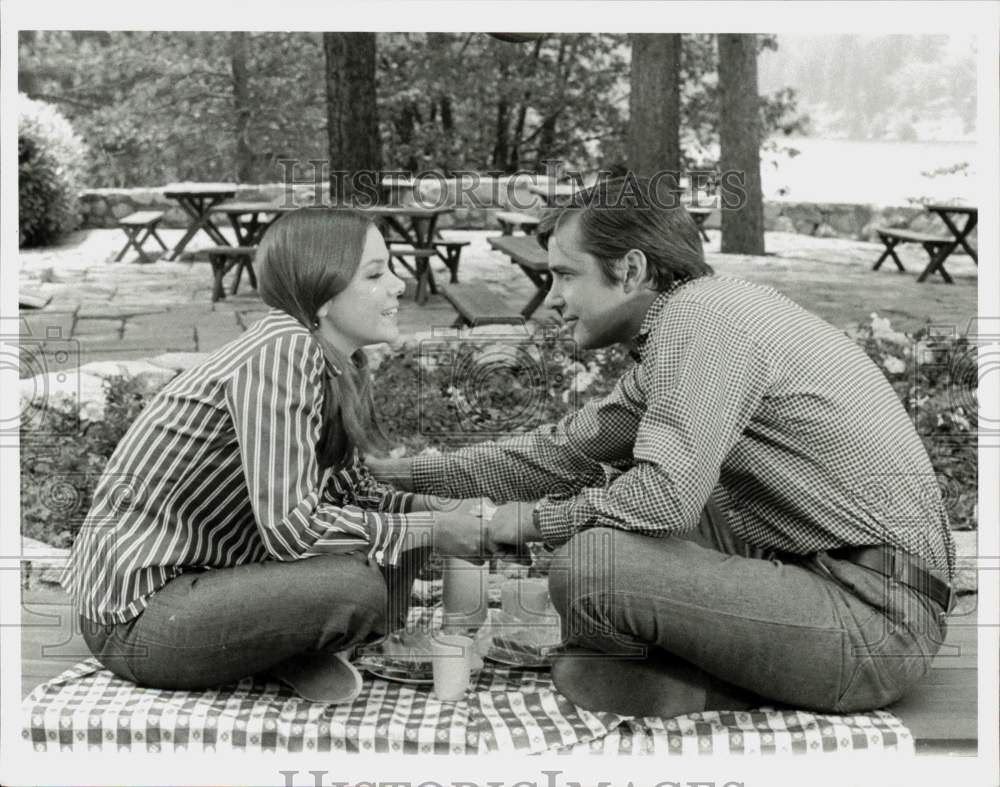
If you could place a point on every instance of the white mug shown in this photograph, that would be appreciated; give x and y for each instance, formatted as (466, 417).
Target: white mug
(452, 656)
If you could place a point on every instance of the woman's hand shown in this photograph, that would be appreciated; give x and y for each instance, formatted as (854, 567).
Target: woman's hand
(459, 533)
(398, 472)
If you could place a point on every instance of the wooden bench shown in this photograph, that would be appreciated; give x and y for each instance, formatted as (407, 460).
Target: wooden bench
(135, 223)
(477, 305)
(511, 221)
(893, 237)
(223, 259)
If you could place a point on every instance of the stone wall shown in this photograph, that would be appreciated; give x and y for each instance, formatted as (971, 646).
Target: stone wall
(474, 206)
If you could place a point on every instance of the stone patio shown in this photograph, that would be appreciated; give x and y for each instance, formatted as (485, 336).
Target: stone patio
(127, 310)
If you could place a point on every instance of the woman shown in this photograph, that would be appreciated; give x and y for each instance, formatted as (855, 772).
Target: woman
(235, 528)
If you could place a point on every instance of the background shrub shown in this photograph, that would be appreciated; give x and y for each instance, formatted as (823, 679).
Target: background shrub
(50, 159)
(58, 479)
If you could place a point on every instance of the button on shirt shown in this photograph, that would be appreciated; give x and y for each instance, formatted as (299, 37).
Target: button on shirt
(740, 394)
(219, 470)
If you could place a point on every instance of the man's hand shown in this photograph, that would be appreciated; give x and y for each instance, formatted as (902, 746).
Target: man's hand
(511, 527)
(398, 472)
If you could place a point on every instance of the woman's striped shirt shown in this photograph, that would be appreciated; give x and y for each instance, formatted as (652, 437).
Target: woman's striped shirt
(220, 470)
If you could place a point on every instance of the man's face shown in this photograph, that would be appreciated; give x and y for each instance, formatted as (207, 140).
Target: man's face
(598, 311)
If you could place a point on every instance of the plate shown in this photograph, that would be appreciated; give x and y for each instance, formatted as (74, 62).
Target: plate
(407, 661)
(397, 677)
(516, 645)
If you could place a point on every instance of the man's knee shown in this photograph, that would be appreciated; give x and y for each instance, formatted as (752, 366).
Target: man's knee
(586, 566)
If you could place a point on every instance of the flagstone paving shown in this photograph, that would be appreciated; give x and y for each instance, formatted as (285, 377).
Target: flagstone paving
(127, 310)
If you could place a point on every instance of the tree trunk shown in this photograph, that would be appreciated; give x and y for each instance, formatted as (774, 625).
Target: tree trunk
(654, 139)
(514, 160)
(501, 131)
(351, 114)
(547, 133)
(406, 128)
(241, 105)
(447, 118)
(739, 142)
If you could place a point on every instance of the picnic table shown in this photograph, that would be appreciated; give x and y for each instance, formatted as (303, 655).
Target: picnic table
(416, 225)
(197, 201)
(950, 215)
(525, 252)
(250, 219)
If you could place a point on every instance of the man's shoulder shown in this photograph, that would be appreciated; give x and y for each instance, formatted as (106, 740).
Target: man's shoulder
(723, 301)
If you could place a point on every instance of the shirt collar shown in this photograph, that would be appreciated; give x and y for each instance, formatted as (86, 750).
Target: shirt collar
(637, 346)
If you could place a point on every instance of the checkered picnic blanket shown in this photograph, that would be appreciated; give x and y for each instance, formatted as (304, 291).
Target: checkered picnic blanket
(507, 709)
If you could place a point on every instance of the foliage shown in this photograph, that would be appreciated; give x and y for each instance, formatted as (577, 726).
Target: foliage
(936, 377)
(429, 399)
(700, 102)
(50, 157)
(159, 106)
(58, 479)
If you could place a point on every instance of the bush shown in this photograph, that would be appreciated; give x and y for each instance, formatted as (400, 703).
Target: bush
(58, 480)
(420, 403)
(937, 378)
(50, 161)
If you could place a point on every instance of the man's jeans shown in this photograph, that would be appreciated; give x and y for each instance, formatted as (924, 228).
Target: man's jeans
(206, 628)
(813, 632)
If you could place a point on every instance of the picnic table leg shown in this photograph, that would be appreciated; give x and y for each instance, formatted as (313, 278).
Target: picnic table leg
(962, 234)
(699, 219)
(237, 229)
(135, 242)
(454, 255)
(158, 239)
(205, 205)
(541, 282)
(422, 267)
(200, 215)
(938, 254)
(218, 272)
(127, 246)
(250, 273)
(890, 247)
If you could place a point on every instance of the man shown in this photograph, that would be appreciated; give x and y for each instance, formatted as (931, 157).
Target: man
(749, 516)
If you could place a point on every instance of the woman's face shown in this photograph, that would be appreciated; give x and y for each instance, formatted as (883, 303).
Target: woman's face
(365, 312)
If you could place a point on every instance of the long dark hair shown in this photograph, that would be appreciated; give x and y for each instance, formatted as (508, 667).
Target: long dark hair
(306, 258)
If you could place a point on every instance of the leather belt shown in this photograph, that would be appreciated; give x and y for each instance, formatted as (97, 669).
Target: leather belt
(901, 566)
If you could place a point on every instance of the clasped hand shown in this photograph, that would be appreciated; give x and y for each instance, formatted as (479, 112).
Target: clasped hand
(471, 532)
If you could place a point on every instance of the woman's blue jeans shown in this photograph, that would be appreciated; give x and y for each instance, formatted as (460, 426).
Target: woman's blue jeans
(207, 628)
(813, 632)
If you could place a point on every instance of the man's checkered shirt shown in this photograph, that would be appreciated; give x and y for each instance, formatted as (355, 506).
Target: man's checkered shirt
(739, 394)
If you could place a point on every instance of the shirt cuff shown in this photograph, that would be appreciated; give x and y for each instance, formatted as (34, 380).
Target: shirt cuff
(398, 502)
(392, 534)
(555, 520)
